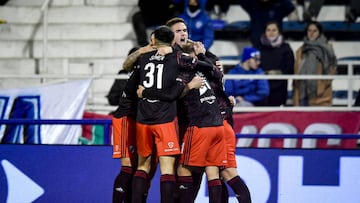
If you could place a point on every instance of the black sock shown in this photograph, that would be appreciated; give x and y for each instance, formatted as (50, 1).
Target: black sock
(224, 192)
(186, 189)
(167, 184)
(197, 178)
(214, 187)
(139, 186)
(240, 189)
(122, 184)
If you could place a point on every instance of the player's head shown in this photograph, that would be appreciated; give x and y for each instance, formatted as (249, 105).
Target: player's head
(178, 26)
(189, 49)
(163, 36)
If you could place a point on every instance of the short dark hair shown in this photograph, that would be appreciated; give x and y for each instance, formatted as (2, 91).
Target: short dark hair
(173, 21)
(274, 22)
(164, 34)
(317, 24)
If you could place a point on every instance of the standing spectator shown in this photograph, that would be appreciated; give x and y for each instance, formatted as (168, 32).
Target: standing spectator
(2, 3)
(153, 13)
(263, 11)
(277, 58)
(357, 99)
(352, 11)
(217, 9)
(199, 23)
(248, 92)
(312, 9)
(315, 57)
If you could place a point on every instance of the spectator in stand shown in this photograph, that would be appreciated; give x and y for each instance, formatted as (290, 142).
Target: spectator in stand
(263, 11)
(315, 57)
(357, 99)
(248, 92)
(352, 11)
(150, 16)
(217, 9)
(199, 23)
(277, 58)
(2, 3)
(312, 9)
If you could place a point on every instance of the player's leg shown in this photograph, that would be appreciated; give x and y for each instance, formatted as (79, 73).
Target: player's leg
(185, 184)
(216, 158)
(144, 145)
(123, 133)
(197, 179)
(229, 173)
(167, 146)
(122, 183)
(140, 179)
(167, 178)
(214, 184)
(239, 187)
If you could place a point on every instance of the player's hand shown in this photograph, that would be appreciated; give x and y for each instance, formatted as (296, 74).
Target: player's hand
(146, 49)
(199, 48)
(196, 83)
(232, 100)
(220, 66)
(140, 90)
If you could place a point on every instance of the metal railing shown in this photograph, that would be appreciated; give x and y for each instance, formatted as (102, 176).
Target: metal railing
(95, 75)
(44, 11)
(105, 122)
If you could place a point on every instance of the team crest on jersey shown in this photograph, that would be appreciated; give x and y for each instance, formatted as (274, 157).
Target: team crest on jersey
(198, 24)
(171, 145)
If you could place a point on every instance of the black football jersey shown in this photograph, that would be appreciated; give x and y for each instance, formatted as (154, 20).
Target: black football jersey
(128, 100)
(200, 105)
(157, 73)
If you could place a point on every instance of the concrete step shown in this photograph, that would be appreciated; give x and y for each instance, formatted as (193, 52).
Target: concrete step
(66, 49)
(108, 31)
(119, 48)
(17, 66)
(53, 3)
(85, 68)
(89, 66)
(38, 3)
(71, 15)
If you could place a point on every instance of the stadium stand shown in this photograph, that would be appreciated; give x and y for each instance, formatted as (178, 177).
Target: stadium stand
(92, 37)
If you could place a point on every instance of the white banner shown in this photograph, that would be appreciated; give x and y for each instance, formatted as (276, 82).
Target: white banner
(55, 101)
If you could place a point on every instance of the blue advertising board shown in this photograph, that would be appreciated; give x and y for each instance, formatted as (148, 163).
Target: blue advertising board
(71, 173)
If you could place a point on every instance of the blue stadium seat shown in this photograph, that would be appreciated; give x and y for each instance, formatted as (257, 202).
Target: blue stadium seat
(293, 26)
(343, 94)
(339, 26)
(218, 24)
(238, 25)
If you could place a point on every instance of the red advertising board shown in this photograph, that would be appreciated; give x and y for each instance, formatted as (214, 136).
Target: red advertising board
(297, 123)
